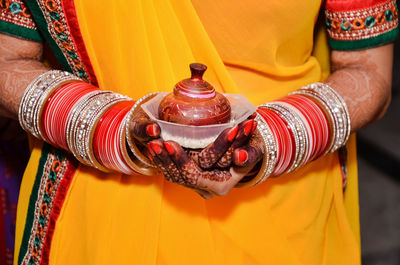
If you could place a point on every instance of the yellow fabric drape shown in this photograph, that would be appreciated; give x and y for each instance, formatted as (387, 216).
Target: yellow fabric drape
(141, 46)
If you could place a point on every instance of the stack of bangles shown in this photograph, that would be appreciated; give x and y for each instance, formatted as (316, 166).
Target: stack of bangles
(299, 128)
(66, 112)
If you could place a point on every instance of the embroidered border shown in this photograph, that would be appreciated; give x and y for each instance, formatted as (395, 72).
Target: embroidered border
(59, 31)
(52, 181)
(52, 21)
(16, 20)
(72, 19)
(362, 24)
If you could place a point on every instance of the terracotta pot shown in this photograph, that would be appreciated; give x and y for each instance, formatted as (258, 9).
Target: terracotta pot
(195, 102)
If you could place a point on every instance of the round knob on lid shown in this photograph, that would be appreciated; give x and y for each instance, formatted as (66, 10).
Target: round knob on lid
(195, 86)
(197, 70)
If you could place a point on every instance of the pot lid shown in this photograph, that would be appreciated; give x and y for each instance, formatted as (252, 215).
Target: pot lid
(195, 86)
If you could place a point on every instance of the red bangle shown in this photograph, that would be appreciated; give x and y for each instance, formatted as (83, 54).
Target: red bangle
(284, 139)
(106, 139)
(310, 123)
(288, 144)
(58, 108)
(318, 122)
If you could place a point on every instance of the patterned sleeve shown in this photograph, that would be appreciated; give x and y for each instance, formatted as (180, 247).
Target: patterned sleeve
(361, 24)
(16, 20)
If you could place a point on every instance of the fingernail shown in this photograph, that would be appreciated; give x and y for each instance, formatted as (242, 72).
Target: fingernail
(232, 133)
(156, 148)
(151, 150)
(248, 127)
(254, 127)
(169, 147)
(242, 156)
(152, 130)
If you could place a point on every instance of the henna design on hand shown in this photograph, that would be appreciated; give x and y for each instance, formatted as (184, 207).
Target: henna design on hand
(214, 151)
(246, 130)
(250, 154)
(177, 167)
(220, 151)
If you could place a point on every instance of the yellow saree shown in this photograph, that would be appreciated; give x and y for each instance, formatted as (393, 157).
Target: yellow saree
(261, 49)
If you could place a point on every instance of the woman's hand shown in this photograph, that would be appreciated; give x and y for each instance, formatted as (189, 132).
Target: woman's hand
(211, 171)
(142, 128)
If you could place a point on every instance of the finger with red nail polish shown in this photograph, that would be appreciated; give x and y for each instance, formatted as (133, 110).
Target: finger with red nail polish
(242, 138)
(247, 155)
(144, 130)
(161, 155)
(248, 127)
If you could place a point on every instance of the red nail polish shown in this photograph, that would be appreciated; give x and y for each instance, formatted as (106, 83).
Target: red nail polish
(232, 133)
(156, 130)
(152, 130)
(254, 127)
(151, 150)
(242, 156)
(156, 148)
(248, 127)
(169, 148)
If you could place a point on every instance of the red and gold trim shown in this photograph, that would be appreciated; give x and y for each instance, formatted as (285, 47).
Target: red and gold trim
(373, 25)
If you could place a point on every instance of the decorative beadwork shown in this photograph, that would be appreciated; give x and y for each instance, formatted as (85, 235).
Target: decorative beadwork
(58, 28)
(15, 12)
(84, 117)
(362, 24)
(35, 96)
(51, 184)
(337, 108)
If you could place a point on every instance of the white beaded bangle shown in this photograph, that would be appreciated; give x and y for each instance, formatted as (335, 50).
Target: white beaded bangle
(35, 97)
(73, 116)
